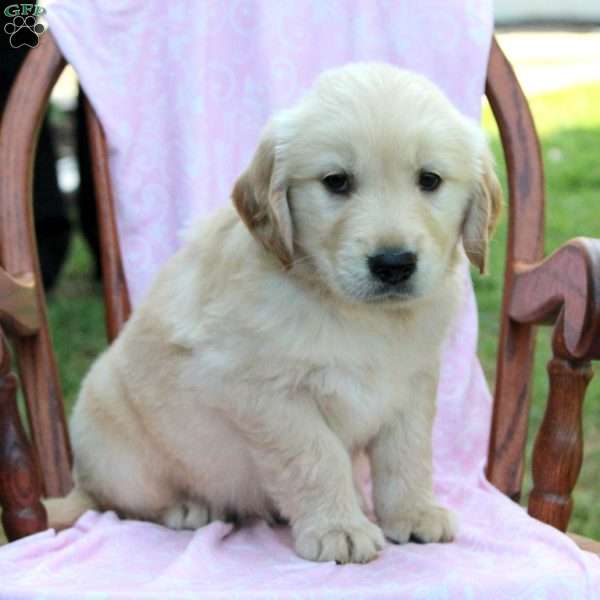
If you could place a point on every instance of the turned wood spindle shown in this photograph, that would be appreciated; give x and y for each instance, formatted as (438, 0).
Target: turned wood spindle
(558, 449)
(20, 484)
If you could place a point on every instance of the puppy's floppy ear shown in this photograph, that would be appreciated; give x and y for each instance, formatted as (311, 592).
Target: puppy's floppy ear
(260, 197)
(482, 214)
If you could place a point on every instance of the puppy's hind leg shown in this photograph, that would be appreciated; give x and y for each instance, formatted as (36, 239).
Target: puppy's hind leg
(124, 473)
(63, 512)
(186, 515)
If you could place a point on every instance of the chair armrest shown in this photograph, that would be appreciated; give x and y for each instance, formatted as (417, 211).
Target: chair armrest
(564, 290)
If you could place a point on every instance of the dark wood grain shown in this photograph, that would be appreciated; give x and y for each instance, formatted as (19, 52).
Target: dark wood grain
(20, 481)
(525, 244)
(116, 295)
(18, 257)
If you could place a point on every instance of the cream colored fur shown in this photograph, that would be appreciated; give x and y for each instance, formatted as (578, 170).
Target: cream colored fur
(262, 361)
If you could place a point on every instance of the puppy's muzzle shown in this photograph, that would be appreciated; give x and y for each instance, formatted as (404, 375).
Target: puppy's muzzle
(393, 266)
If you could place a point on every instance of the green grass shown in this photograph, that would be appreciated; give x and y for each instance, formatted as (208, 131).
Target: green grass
(569, 126)
(76, 314)
(568, 123)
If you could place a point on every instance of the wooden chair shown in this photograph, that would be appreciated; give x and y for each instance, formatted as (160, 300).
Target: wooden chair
(562, 290)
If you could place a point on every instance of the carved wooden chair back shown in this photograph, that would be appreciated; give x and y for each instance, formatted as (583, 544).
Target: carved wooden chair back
(42, 466)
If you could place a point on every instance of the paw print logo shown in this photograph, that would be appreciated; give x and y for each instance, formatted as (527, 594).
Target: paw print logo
(24, 31)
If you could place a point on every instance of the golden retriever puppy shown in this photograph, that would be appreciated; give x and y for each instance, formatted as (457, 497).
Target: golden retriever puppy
(300, 327)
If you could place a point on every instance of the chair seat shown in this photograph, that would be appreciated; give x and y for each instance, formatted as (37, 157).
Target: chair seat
(500, 552)
(585, 543)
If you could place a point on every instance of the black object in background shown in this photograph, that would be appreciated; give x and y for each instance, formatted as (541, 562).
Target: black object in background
(88, 217)
(51, 215)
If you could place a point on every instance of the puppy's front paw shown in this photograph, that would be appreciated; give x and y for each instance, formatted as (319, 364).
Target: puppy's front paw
(356, 541)
(431, 523)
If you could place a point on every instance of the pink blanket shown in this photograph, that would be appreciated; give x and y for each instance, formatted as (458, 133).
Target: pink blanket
(182, 90)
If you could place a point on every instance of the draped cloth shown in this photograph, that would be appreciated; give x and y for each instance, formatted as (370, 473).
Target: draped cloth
(182, 90)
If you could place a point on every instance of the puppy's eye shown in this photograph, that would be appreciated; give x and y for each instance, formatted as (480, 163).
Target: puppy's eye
(337, 183)
(429, 181)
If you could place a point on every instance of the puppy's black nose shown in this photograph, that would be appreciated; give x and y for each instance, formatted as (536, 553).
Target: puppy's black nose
(393, 265)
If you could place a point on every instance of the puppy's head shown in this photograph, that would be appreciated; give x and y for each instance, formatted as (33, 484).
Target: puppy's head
(370, 185)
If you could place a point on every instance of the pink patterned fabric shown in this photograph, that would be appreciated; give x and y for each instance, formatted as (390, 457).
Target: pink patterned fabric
(182, 90)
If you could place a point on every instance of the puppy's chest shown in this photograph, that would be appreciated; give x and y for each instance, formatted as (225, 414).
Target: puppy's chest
(355, 400)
